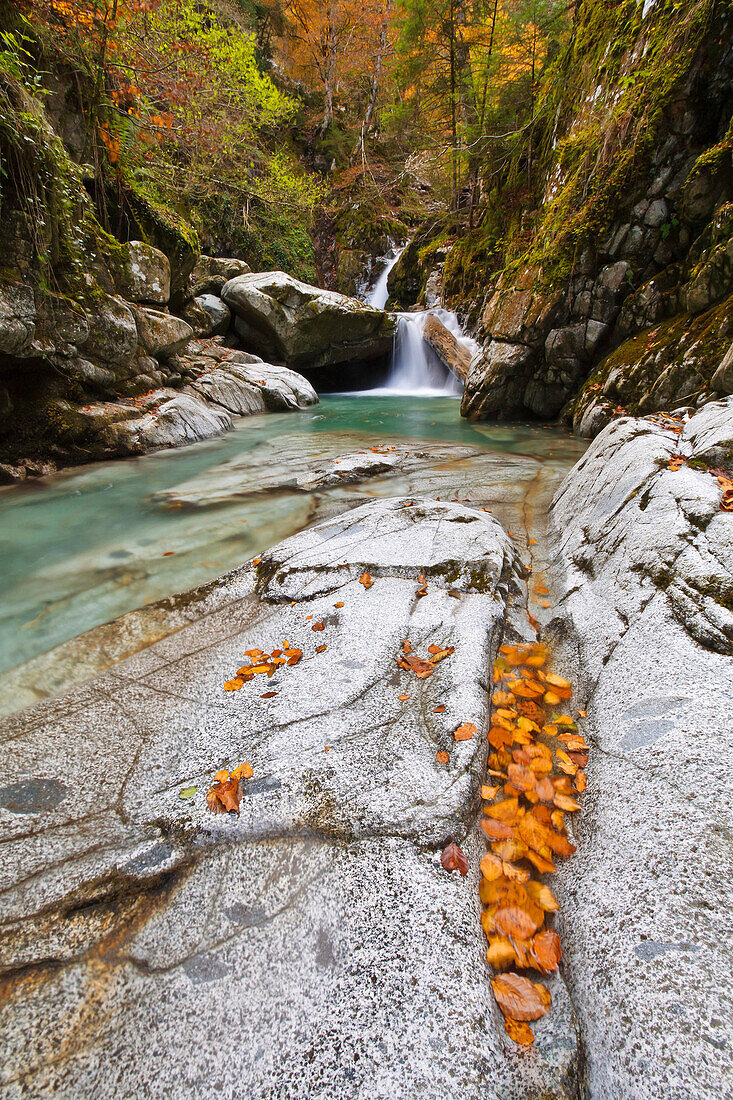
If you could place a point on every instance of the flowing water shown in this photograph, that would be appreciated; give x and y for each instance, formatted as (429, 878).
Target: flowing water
(415, 368)
(89, 544)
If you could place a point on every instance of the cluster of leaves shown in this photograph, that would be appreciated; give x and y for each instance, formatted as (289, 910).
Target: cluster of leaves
(412, 662)
(225, 793)
(536, 764)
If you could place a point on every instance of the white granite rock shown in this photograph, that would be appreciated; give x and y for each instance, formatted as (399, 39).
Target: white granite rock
(313, 946)
(645, 557)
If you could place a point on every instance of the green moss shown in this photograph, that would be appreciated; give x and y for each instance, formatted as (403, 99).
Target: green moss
(602, 112)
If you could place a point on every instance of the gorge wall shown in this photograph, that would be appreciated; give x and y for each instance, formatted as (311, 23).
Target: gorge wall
(599, 276)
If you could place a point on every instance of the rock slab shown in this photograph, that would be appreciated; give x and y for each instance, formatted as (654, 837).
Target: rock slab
(645, 556)
(302, 326)
(314, 946)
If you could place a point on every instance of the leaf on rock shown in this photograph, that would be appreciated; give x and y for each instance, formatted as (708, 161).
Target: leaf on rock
(546, 951)
(519, 998)
(454, 858)
(224, 797)
(465, 731)
(442, 756)
(366, 579)
(187, 792)
(520, 1032)
(439, 709)
(514, 922)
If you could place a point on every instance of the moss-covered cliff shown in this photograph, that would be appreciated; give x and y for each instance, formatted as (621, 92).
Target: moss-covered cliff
(629, 162)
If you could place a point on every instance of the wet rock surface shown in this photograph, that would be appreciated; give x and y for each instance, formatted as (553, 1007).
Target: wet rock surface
(645, 557)
(316, 934)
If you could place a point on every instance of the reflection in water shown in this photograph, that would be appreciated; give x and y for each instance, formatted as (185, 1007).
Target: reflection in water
(90, 544)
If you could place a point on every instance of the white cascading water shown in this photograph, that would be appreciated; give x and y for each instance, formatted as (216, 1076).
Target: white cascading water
(415, 368)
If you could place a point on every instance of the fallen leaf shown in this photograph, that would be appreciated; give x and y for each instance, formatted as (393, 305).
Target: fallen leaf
(519, 998)
(442, 756)
(491, 867)
(546, 951)
(514, 922)
(268, 695)
(489, 792)
(403, 697)
(497, 830)
(234, 685)
(500, 952)
(538, 835)
(566, 802)
(224, 797)
(187, 792)
(412, 663)
(318, 626)
(244, 771)
(366, 580)
(454, 859)
(542, 895)
(439, 709)
(339, 604)
(580, 782)
(520, 1032)
(465, 731)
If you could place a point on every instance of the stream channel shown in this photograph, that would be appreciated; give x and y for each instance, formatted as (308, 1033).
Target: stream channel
(91, 543)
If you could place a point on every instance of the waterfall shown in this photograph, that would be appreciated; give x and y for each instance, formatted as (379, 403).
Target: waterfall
(377, 295)
(414, 367)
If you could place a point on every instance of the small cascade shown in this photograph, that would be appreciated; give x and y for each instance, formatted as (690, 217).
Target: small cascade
(378, 294)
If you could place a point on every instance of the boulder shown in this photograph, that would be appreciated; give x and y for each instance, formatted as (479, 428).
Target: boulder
(496, 380)
(113, 335)
(218, 313)
(645, 557)
(453, 355)
(181, 419)
(145, 275)
(316, 933)
(223, 388)
(722, 380)
(304, 327)
(281, 388)
(212, 272)
(161, 333)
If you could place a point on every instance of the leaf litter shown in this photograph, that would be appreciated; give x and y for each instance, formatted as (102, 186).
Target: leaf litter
(536, 756)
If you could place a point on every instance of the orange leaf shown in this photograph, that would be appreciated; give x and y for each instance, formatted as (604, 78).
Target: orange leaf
(497, 830)
(439, 709)
(454, 859)
(546, 950)
(366, 580)
(521, 1033)
(224, 797)
(514, 922)
(442, 756)
(465, 731)
(519, 998)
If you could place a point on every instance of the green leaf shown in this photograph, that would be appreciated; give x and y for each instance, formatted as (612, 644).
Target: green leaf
(187, 792)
